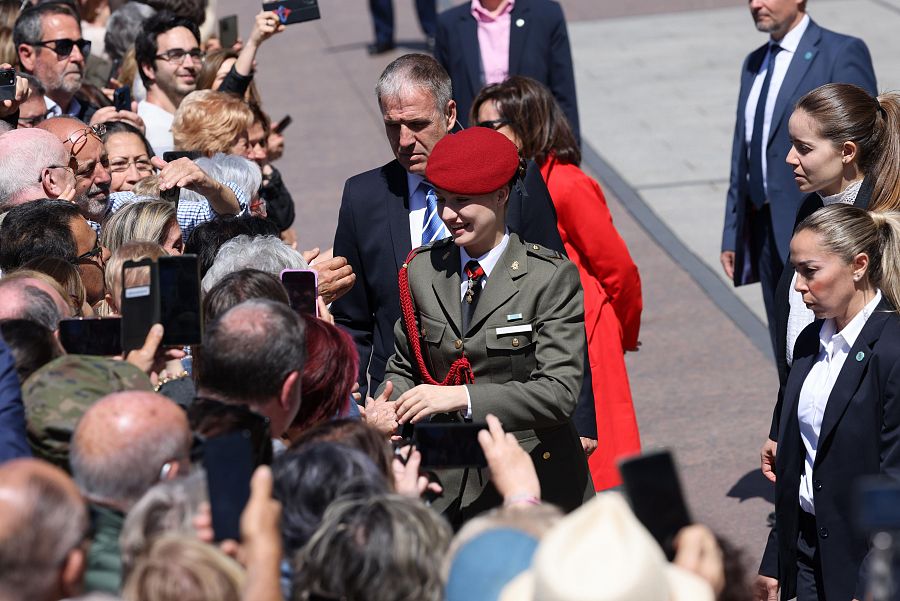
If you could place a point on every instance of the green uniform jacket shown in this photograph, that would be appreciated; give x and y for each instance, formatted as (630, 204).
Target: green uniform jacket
(529, 378)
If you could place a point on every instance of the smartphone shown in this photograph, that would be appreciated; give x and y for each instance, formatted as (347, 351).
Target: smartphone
(449, 445)
(302, 286)
(282, 125)
(228, 462)
(876, 505)
(174, 155)
(113, 72)
(91, 336)
(180, 311)
(228, 31)
(7, 84)
(138, 302)
(122, 98)
(654, 491)
(294, 11)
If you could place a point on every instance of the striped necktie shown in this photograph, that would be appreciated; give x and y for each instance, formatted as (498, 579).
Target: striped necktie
(432, 226)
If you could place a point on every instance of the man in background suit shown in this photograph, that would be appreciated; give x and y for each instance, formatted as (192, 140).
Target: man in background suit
(763, 198)
(485, 41)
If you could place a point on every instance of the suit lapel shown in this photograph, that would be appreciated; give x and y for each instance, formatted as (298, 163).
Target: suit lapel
(446, 283)
(518, 35)
(803, 58)
(397, 209)
(852, 372)
(468, 40)
(803, 363)
(500, 286)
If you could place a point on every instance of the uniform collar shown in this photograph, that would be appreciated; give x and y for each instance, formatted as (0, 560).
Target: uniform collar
(488, 260)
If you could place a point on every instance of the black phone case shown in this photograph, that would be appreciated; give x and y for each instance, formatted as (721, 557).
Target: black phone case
(294, 11)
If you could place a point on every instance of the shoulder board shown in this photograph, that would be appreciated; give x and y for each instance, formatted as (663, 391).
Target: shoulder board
(543, 252)
(426, 248)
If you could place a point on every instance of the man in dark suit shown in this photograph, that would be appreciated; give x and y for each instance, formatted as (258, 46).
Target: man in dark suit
(763, 198)
(485, 41)
(388, 211)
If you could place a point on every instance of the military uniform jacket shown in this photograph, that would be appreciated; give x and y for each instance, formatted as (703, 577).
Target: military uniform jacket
(529, 377)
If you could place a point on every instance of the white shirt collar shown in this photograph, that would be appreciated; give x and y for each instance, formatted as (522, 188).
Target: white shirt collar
(829, 340)
(791, 39)
(488, 260)
(54, 110)
(847, 196)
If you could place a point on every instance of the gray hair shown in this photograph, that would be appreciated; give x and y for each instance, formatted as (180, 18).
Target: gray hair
(235, 169)
(26, 301)
(24, 154)
(416, 71)
(265, 253)
(28, 26)
(168, 507)
(123, 27)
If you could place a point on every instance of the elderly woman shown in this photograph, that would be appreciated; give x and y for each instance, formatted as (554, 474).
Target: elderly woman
(209, 122)
(129, 155)
(490, 324)
(265, 253)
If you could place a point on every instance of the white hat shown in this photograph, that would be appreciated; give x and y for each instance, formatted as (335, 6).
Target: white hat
(601, 552)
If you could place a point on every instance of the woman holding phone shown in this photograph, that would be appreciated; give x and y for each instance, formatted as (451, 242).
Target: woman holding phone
(491, 324)
(840, 416)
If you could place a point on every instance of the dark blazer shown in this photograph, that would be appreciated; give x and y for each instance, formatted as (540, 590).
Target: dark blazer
(811, 204)
(373, 234)
(822, 57)
(539, 49)
(13, 442)
(860, 436)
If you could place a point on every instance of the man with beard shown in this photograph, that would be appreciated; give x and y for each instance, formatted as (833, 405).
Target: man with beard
(92, 177)
(169, 57)
(48, 40)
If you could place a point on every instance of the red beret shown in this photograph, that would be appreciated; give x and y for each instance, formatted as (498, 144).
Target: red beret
(474, 161)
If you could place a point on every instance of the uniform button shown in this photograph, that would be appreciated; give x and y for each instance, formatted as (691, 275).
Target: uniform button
(515, 342)
(817, 485)
(458, 344)
(823, 532)
(546, 455)
(536, 247)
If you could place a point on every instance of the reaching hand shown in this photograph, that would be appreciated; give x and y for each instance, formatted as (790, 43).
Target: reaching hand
(380, 412)
(416, 404)
(22, 93)
(512, 470)
(336, 278)
(266, 25)
(109, 113)
(407, 479)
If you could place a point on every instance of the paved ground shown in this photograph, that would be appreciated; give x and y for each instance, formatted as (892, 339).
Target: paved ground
(657, 82)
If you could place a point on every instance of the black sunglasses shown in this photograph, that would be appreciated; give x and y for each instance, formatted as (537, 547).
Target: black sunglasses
(64, 46)
(494, 124)
(89, 254)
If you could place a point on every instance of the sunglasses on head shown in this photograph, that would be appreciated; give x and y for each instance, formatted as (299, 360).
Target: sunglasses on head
(63, 47)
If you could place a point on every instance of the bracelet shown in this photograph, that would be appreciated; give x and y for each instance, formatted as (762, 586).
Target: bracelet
(522, 499)
(168, 379)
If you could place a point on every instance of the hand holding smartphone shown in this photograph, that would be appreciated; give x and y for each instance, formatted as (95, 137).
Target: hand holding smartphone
(294, 11)
(303, 288)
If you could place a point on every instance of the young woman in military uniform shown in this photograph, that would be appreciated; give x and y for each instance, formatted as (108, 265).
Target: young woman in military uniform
(491, 324)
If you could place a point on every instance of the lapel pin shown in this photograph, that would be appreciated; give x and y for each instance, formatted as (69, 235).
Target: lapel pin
(520, 22)
(860, 356)
(515, 265)
(514, 317)
(808, 55)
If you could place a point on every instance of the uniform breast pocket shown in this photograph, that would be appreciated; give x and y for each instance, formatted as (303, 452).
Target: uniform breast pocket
(433, 332)
(512, 348)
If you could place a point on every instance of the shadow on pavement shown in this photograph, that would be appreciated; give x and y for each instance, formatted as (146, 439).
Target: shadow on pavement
(752, 485)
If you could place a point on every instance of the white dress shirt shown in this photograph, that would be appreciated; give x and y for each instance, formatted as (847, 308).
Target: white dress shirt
(487, 261)
(416, 208)
(834, 347)
(799, 316)
(158, 125)
(783, 59)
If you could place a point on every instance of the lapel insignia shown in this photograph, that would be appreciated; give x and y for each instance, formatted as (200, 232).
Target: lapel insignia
(514, 317)
(860, 356)
(808, 55)
(515, 265)
(520, 22)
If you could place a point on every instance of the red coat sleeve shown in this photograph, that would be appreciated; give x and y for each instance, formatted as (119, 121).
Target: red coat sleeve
(585, 224)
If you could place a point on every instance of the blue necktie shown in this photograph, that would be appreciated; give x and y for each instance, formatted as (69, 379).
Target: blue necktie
(757, 144)
(432, 226)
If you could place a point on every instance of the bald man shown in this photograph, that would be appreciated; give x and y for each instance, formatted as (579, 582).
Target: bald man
(124, 444)
(43, 530)
(92, 177)
(25, 297)
(33, 164)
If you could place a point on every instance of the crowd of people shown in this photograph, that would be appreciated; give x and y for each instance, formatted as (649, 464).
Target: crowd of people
(477, 278)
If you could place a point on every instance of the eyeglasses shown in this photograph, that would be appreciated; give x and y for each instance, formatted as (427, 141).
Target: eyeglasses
(63, 47)
(97, 250)
(81, 135)
(120, 165)
(177, 55)
(494, 124)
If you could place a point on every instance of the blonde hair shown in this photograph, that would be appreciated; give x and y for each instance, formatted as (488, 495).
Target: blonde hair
(67, 276)
(130, 251)
(210, 121)
(182, 568)
(142, 220)
(149, 186)
(9, 10)
(847, 231)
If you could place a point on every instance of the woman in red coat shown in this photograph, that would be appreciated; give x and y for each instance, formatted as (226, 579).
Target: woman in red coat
(526, 112)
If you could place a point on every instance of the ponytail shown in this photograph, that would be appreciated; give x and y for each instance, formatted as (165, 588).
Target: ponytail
(887, 224)
(885, 167)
